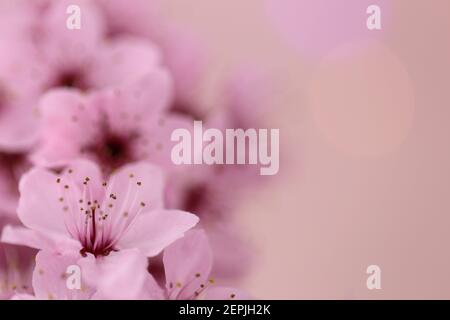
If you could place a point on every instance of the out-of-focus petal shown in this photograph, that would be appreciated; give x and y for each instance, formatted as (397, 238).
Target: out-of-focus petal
(65, 46)
(187, 264)
(37, 240)
(66, 126)
(122, 60)
(39, 208)
(121, 275)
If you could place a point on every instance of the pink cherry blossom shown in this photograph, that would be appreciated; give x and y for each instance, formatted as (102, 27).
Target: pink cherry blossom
(113, 127)
(127, 270)
(50, 278)
(81, 58)
(122, 276)
(39, 53)
(188, 263)
(80, 212)
(19, 91)
(93, 109)
(183, 53)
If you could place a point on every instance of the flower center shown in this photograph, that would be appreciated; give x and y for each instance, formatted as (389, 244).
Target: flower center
(71, 79)
(195, 198)
(94, 214)
(94, 241)
(111, 150)
(115, 147)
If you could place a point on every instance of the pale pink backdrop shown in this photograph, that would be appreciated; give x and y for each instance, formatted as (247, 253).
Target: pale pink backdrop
(365, 129)
(364, 120)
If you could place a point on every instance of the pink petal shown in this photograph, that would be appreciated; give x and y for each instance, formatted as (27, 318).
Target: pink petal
(138, 189)
(154, 231)
(138, 100)
(183, 53)
(63, 46)
(152, 290)
(187, 264)
(50, 277)
(67, 126)
(37, 240)
(76, 173)
(121, 275)
(49, 204)
(39, 208)
(142, 18)
(22, 71)
(157, 131)
(122, 60)
(233, 254)
(21, 82)
(186, 59)
(80, 181)
(18, 127)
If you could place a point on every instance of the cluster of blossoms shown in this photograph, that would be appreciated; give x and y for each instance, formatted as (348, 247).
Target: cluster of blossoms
(86, 178)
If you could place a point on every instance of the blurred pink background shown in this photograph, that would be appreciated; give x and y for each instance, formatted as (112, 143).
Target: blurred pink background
(365, 127)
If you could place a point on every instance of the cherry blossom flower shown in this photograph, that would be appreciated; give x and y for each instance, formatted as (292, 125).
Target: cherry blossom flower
(81, 58)
(39, 53)
(122, 276)
(18, 95)
(111, 93)
(113, 127)
(188, 263)
(78, 212)
(182, 53)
